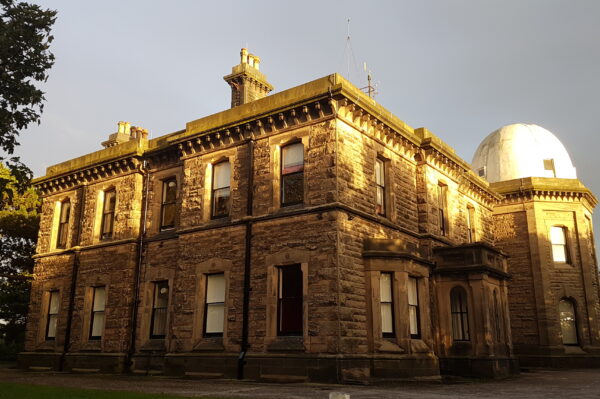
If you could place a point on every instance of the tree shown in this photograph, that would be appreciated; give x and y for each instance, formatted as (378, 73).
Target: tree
(19, 223)
(25, 59)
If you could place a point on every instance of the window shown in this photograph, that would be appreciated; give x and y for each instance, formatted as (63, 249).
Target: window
(97, 319)
(289, 304)
(568, 322)
(168, 206)
(380, 182)
(387, 306)
(158, 323)
(63, 224)
(108, 214)
(481, 171)
(558, 239)
(441, 192)
(413, 308)
(220, 190)
(292, 174)
(53, 306)
(460, 315)
(214, 308)
(470, 224)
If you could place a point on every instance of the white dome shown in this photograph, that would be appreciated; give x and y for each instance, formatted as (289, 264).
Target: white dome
(522, 150)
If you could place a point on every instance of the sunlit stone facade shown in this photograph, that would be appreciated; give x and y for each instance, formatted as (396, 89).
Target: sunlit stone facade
(308, 235)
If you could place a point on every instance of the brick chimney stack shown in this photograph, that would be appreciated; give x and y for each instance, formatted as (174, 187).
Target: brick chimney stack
(246, 81)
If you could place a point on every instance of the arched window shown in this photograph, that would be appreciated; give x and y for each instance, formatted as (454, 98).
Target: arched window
(221, 190)
(63, 224)
(292, 174)
(460, 314)
(108, 214)
(568, 321)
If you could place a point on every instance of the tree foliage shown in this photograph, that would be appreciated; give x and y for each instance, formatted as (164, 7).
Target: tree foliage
(19, 224)
(25, 59)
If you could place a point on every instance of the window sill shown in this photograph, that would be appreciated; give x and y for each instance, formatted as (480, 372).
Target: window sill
(284, 344)
(210, 344)
(154, 344)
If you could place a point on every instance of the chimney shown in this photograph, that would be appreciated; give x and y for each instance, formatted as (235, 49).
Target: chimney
(125, 132)
(246, 81)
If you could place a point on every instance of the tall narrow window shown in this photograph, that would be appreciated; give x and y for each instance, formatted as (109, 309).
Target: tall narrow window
(168, 204)
(471, 224)
(443, 220)
(292, 174)
(387, 306)
(568, 322)
(380, 183)
(158, 323)
(214, 308)
(97, 318)
(289, 307)
(558, 239)
(52, 316)
(108, 214)
(413, 308)
(460, 315)
(220, 191)
(63, 224)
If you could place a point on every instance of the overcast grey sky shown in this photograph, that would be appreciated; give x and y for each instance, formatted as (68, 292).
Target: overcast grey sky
(460, 68)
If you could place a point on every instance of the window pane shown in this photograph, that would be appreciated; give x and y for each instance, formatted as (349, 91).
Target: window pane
(222, 175)
(290, 300)
(557, 235)
(386, 318)
(110, 198)
(412, 291)
(97, 324)
(379, 173)
(214, 318)
(161, 298)
(215, 288)
(107, 224)
(221, 202)
(65, 210)
(568, 322)
(54, 302)
(292, 158)
(559, 253)
(52, 319)
(99, 299)
(170, 191)
(159, 322)
(380, 199)
(385, 287)
(292, 188)
(414, 321)
(168, 216)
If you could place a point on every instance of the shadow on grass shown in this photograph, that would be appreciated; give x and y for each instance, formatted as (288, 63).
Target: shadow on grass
(13, 391)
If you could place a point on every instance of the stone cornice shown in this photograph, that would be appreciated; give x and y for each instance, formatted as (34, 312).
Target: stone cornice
(544, 189)
(49, 185)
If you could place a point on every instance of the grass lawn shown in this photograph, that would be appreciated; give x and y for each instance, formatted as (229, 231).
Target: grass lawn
(22, 391)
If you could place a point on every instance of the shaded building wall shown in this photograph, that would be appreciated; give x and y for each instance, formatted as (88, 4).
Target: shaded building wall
(539, 283)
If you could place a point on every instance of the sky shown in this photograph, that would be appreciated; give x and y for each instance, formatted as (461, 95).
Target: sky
(461, 68)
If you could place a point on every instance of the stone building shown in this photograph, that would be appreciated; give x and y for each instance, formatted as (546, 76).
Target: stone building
(304, 235)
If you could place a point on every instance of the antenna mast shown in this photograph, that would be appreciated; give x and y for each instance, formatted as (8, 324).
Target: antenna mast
(370, 89)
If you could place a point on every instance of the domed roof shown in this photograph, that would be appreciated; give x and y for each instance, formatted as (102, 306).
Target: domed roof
(522, 150)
